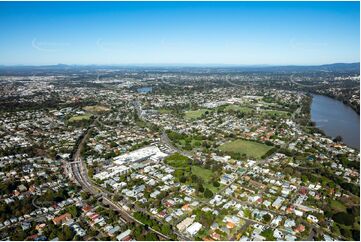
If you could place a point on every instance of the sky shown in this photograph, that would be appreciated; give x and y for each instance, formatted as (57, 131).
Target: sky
(239, 33)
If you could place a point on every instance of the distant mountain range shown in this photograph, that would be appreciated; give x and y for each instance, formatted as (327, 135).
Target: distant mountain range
(336, 67)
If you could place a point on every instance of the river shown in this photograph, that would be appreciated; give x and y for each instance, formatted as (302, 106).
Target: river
(336, 118)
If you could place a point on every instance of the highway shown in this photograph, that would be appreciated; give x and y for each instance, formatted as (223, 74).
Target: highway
(303, 85)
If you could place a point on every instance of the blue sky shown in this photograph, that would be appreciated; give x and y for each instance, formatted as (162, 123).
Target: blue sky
(245, 33)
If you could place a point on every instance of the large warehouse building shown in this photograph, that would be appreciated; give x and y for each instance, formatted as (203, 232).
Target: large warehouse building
(149, 152)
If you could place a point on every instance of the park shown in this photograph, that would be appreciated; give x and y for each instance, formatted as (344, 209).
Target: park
(244, 147)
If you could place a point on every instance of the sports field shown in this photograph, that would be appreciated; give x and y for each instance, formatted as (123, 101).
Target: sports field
(79, 118)
(249, 148)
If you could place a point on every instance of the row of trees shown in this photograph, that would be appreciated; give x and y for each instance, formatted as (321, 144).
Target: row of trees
(164, 228)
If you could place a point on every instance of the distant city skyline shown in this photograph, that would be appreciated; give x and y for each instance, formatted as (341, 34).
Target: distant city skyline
(184, 33)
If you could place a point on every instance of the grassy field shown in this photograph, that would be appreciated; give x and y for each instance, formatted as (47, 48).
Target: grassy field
(96, 108)
(193, 144)
(206, 175)
(195, 114)
(184, 141)
(337, 206)
(177, 160)
(277, 113)
(165, 111)
(238, 108)
(249, 148)
(79, 118)
(184, 168)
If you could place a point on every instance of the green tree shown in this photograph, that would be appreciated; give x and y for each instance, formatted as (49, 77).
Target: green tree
(183, 179)
(268, 234)
(151, 237)
(73, 211)
(337, 139)
(267, 218)
(216, 184)
(66, 233)
(137, 231)
(166, 229)
(19, 235)
(84, 195)
(344, 218)
(208, 193)
(200, 188)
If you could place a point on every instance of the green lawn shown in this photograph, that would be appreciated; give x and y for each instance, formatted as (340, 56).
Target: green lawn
(185, 142)
(194, 143)
(184, 168)
(337, 206)
(195, 114)
(238, 108)
(249, 148)
(277, 113)
(165, 111)
(79, 118)
(177, 160)
(206, 175)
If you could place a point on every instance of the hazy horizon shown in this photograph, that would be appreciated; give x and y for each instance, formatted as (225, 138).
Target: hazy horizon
(179, 65)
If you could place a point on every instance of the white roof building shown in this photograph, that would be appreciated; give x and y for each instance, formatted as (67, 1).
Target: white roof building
(194, 228)
(312, 218)
(277, 234)
(123, 235)
(185, 223)
(149, 152)
(278, 202)
(111, 172)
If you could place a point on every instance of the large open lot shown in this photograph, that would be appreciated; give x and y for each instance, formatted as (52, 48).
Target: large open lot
(178, 161)
(207, 176)
(79, 118)
(185, 168)
(96, 108)
(239, 108)
(277, 113)
(195, 114)
(249, 148)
